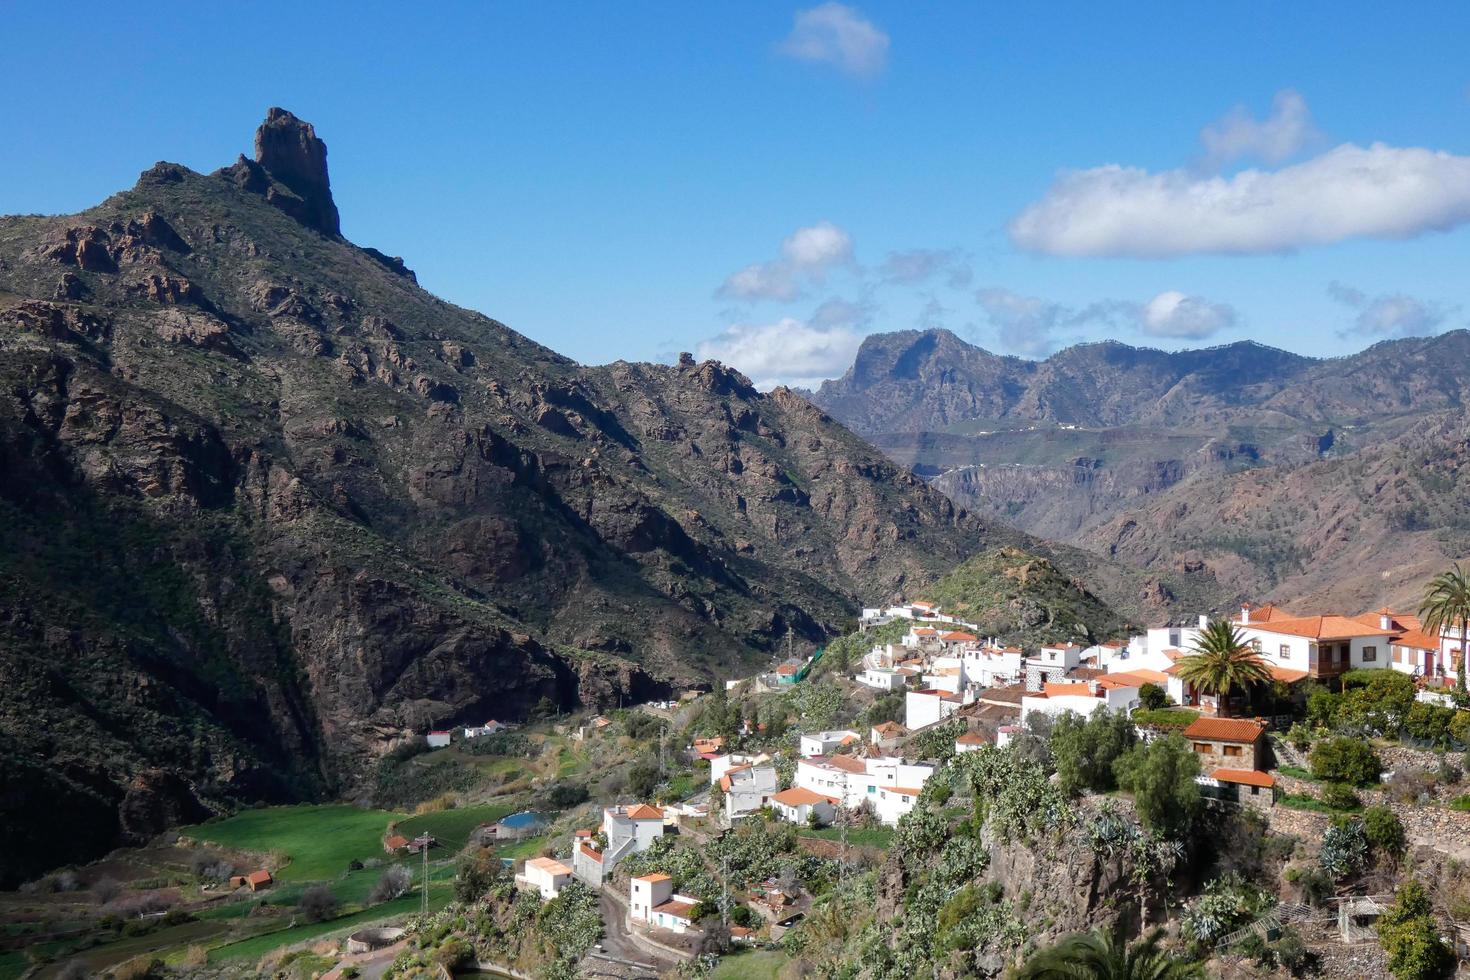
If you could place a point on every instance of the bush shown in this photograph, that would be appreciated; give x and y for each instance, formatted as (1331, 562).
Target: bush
(390, 884)
(1313, 884)
(1384, 830)
(1461, 803)
(1346, 760)
(1084, 750)
(643, 779)
(1153, 697)
(478, 872)
(1340, 796)
(565, 794)
(105, 890)
(1160, 775)
(1409, 937)
(1429, 723)
(1168, 719)
(1450, 772)
(317, 903)
(1344, 849)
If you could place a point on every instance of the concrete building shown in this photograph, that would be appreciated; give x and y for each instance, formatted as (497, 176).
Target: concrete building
(545, 875)
(797, 804)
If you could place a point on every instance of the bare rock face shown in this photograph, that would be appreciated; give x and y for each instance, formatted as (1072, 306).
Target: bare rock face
(290, 152)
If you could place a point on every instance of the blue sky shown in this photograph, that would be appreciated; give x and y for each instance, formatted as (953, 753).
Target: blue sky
(768, 182)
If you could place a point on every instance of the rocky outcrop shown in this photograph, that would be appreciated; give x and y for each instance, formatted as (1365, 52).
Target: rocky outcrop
(290, 152)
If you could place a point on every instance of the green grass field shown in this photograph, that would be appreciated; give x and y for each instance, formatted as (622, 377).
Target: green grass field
(12, 964)
(440, 894)
(453, 827)
(320, 840)
(529, 847)
(879, 837)
(756, 964)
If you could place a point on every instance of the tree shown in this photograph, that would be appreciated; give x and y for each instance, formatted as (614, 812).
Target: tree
(1408, 935)
(1098, 955)
(393, 882)
(1084, 750)
(1446, 605)
(1345, 760)
(1385, 831)
(1153, 697)
(477, 874)
(643, 778)
(1221, 661)
(1160, 775)
(317, 903)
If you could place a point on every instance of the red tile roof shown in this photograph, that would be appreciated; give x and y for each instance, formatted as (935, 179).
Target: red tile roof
(259, 877)
(801, 796)
(1247, 777)
(786, 669)
(1066, 690)
(653, 877)
(959, 636)
(591, 852)
(1321, 628)
(1225, 729)
(395, 842)
(679, 910)
(643, 811)
(1286, 675)
(1134, 678)
(973, 738)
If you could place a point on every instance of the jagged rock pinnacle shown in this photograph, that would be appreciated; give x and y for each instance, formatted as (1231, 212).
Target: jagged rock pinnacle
(290, 151)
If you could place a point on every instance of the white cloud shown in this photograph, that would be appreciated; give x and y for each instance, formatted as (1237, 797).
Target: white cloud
(1390, 315)
(1348, 192)
(1034, 327)
(1173, 314)
(789, 351)
(812, 250)
(838, 35)
(922, 264)
(807, 254)
(1283, 134)
(1025, 324)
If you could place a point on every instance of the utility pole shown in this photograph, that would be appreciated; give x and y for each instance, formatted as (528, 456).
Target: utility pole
(725, 891)
(424, 889)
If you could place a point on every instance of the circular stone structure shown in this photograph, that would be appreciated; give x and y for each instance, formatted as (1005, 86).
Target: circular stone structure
(367, 940)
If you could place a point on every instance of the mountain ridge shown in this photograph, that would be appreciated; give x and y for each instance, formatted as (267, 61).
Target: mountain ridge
(269, 508)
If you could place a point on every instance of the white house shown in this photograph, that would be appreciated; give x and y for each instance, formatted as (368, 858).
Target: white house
(797, 804)
(721, 764)
(677, 914)
(970, 742)
(886, 734)
(646, 892)
(1051, 663)
(992, 666)
(747, 789)
(820, 743)
(894, 801)
(883, 679)
(1055, 699)
(546, 875)
(830, 777)
(927, 706)
(491, 727)
(438, 740)
(628, 829)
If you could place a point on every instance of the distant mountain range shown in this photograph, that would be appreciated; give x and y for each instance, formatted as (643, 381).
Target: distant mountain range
(1243, 462)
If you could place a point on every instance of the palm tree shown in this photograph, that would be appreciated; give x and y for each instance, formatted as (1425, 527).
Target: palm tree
(1221, 660)
(1447, 605)
(1097, 955)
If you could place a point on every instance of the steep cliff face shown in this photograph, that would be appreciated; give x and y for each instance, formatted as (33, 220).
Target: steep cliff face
(266, 507)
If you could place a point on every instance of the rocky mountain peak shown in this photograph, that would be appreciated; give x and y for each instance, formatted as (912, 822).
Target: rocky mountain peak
(290, 151)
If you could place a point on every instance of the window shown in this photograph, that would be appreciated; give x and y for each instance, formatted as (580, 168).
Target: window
(1284, 652)
(1256, 645)
(1232, 750)
(872, 789)
(1203, 748)
(1370, 654)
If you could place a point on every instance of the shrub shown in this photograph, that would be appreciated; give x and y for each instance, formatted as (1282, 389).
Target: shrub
(391, 883)
(1346, 760)
(1160, 775)
(1313, 884)
(1344, 849)
(1299, 736)
(1384, 830)
(1409, 937)
(1461, 803)
(1429, 722)
(1153, 697)
(565, 794)
(1450, 772)
(1167, 719)
(1340, 796)
(478, 872)
(317, 903)
(105, 890)
(1084, 750)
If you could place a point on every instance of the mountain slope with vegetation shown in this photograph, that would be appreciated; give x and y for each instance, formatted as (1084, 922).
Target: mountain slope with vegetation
(269, 508)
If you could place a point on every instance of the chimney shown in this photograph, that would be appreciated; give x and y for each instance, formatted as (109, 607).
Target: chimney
(1385, 619)
(1245, 612)
(1204, 620)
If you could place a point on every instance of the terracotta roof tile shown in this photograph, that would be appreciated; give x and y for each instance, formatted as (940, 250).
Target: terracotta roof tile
(1225, 729)
(1247, 777)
